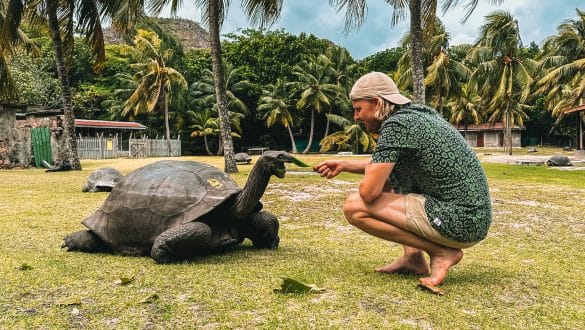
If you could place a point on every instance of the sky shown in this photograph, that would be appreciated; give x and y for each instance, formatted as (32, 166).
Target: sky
(536, 19)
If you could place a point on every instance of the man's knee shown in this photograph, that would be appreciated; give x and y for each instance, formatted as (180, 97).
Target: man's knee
(352, 207)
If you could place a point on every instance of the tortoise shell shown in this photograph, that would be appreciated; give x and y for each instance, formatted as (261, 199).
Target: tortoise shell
(157, 197)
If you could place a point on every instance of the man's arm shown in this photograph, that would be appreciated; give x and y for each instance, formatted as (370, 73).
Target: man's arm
(331, 168)
(374, 181)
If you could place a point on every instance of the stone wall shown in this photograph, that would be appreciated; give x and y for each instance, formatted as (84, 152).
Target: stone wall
(15, 136)
(15, 144)
(53, 122)
(7, 119)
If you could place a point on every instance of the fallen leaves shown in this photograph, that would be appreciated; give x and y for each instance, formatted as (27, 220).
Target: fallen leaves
(293, 286)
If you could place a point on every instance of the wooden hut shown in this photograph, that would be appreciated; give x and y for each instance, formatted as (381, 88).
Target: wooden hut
(489, 135)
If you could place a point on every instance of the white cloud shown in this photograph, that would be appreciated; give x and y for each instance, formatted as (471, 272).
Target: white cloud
(536, 21)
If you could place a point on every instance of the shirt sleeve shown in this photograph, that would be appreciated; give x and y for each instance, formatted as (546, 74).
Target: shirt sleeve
(392, 142)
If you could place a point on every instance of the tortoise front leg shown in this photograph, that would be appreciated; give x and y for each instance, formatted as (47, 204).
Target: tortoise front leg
(182, 242)
(262, 229)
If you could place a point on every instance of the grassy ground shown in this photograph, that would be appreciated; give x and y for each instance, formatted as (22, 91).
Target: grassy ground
(527, 274)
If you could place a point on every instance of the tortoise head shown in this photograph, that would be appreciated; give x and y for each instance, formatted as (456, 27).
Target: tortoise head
(274, 161)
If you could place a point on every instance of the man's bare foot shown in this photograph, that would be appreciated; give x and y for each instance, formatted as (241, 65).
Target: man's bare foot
(440, 264)
(408, 264)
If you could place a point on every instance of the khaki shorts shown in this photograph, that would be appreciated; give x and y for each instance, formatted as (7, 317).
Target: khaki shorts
(418, 223)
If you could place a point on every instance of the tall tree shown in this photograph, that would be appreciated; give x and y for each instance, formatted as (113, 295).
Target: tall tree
(155, 79)
(316, 90)
(274, 108)
(352, 137)
(11, 37)
(445, 76)
(501, 77)
(465, 108)
(203, 94)
(263, 12)
(204, 125)
(64, 19)
(422, 21)
(563, 64)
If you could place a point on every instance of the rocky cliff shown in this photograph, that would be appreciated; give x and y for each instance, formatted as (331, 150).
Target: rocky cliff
(189, 33)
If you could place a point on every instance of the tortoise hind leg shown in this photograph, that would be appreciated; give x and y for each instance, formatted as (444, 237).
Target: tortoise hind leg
(182, 242)
(85, 241)
(262, 229)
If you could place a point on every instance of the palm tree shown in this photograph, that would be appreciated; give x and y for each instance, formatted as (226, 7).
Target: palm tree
(204, 89)
(443, 71)
(465, 108)
(273, 107)
(11, 37)
(444, 77)
(352, 137)
(204, 125)
(263, 12)
(500, 75)
(341, 67)
(563, 63)
(203, 93)
(316, 90)
(64, 19)
(154, 78)
(422, 21)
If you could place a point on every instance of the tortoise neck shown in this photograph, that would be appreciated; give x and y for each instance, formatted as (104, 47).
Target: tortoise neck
(250, 195)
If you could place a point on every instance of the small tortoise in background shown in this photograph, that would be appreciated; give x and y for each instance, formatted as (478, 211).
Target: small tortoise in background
(102, 179)
(559, 161)
(174, 210)
(242, 157)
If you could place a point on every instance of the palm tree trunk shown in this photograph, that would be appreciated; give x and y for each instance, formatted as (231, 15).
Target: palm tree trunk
(418, 86)
(292, 141)
(219, 146)
(167, 128)
(508, 132)
(68, 149)
(207, 146)
(440, 104)
(308, 147)
(220, 92)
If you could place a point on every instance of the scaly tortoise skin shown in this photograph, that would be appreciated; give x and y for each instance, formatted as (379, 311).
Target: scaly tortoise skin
(175, 210)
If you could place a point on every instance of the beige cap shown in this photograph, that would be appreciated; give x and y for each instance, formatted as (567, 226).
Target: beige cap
(377, 84)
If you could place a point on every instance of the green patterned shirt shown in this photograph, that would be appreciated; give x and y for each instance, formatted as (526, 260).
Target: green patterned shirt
(433, 159)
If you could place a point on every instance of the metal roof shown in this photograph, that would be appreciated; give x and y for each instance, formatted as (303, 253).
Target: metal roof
(486, 127)
(108, 124)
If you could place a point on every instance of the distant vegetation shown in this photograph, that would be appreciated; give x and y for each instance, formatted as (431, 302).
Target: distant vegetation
(284, 89)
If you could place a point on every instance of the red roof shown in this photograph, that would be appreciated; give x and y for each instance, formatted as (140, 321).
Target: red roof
(108, 124)
(486, 127)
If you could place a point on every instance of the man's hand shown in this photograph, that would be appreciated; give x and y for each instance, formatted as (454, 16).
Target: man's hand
(329, 168)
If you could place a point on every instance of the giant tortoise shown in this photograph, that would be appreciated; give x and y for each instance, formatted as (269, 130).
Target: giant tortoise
(559, 161)
(242, 157)
(102, 179)
(174, 210)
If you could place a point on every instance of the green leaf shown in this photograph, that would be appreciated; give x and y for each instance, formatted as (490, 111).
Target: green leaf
(73, 301)
(24, 266)
(125, 280)
(150, 299)
(290, 285)
(298, 162)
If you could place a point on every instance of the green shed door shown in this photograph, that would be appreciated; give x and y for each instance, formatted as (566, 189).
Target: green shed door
(41, 143)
